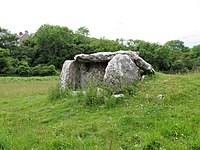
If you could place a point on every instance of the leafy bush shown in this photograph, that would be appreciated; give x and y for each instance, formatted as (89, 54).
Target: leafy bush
(3, 65)
(196, 65)
(24, 70)
(43, 70)
(178, 66)
(51, 70)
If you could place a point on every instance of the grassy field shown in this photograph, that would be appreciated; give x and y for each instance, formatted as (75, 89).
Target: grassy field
(29, 120)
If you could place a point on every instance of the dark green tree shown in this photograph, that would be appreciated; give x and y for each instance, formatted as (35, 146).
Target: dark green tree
(195, 55)
(162, 60)
(147, 51)
(84, 31)
(176, 45)
(105, 45)
(7, 39)
(4, 53)
(195, 51)
(50, 40)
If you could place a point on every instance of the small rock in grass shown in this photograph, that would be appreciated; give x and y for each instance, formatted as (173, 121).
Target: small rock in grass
(160, 96)
(118, 95)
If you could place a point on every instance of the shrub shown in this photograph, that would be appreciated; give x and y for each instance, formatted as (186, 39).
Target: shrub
(196, 64)
(24, 70)
(44, 70)
(51, 70)
(178, 66)
(3, 65)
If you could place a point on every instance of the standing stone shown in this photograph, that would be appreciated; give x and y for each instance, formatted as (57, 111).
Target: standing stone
(69, 74)
(121, 71)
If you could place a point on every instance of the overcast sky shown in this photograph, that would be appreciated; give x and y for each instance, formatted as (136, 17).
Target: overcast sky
(149, 20)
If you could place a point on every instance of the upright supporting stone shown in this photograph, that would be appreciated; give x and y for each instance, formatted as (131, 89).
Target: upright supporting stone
(121, 71)
(69, 74)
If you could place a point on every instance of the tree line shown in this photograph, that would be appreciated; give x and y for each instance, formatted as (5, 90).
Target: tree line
(44, 52)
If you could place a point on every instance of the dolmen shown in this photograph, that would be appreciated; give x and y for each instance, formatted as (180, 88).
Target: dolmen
(113, 68)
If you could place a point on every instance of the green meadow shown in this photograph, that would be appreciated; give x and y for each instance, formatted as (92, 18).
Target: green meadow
(35, 116)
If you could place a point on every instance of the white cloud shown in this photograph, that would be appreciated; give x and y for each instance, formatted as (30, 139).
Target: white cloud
(155, 20)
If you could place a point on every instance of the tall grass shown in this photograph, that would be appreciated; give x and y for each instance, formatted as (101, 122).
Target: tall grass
(88, 96)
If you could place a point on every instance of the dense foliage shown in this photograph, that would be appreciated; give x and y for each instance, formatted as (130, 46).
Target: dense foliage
(46, 50)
